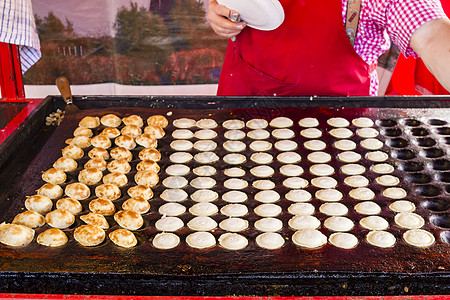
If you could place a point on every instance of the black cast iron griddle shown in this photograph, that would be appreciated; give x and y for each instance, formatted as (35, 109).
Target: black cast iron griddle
(422, 168)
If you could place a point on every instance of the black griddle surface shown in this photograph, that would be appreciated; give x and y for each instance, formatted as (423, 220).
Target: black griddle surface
(108, 263)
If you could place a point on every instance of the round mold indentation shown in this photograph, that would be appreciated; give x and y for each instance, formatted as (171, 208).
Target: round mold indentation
(445, 140)
(436, 204)
(397, 143)
(428, 190)
(386, 123)
(419, 131)
(442, 130)
(440, 165)
(412, 122)
(445, 236)
(441, 220)
(437, 122)
(391, 132)
(418, 178)
(411, 166)
(443, 176)
(403, 154)
(432, 152)
(426, 142)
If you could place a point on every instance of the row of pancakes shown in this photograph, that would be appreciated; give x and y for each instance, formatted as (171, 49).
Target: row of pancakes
(303, 219)
(40, 206)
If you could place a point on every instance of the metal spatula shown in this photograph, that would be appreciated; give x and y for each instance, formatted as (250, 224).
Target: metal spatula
(64, 88)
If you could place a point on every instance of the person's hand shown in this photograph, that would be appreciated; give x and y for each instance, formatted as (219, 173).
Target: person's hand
(218, 18)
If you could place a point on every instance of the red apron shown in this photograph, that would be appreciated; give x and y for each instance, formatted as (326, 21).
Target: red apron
(309, 54)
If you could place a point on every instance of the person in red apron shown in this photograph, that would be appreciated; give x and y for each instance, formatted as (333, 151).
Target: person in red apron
(309, 54)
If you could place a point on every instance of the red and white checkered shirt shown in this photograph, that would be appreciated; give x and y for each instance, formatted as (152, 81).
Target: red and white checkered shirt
(383, 20)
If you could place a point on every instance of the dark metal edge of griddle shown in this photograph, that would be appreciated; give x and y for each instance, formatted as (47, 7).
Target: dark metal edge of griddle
(284, 284)
(225, 102)
(27, 128)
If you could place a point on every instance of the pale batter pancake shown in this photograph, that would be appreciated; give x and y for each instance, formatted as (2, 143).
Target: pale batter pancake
(165, 240)
(377, 156)
(234, 210)
(308, 122)
(270, 240)
(205, 171)
(382, 239)
(319, 157)
(343, 240)
(341, 133)
(395, 193)
(234, 134)
(260, 146)
(174, 195)
(181, 145)
(309, 238)
(419, 238)
(234, 172)
(258, 134)
(172, 209)
(262, 171)
(362, 122)
(356, 181)
(202, 224)
(337, 223)
(177, 170)
(321, 170)
(169, 224)
(298, 196)
(409, 220)
(299, 222)
(324, 182)
(267, 196)
(362, 193)
(234, 197)
(283, 133)
(295, 183)
(338, 122)
(281, 122)
(329, 195)
(301, 209)
(291, 170)
(234, 224)
(184, 123)
(374, 223)
(204, 196)
(268, 224)
(289, 157)
(353, 169)
(201, 240)
(368, 208)
(311, 133)
(382, 168)
(268, 210)
(402, 206)
(286, 145)
(234, 146)
(333, 209)
(206, 157)
(315, 145)
(233, 241)
(233, 124)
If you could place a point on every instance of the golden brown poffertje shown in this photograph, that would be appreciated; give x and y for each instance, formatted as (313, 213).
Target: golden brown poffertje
(90, 122)
(111, 120)
(89, 235)
(158, 120)
(123, 238)
(15, 235)
(52, 237)
(30, 219)
(95, 219)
